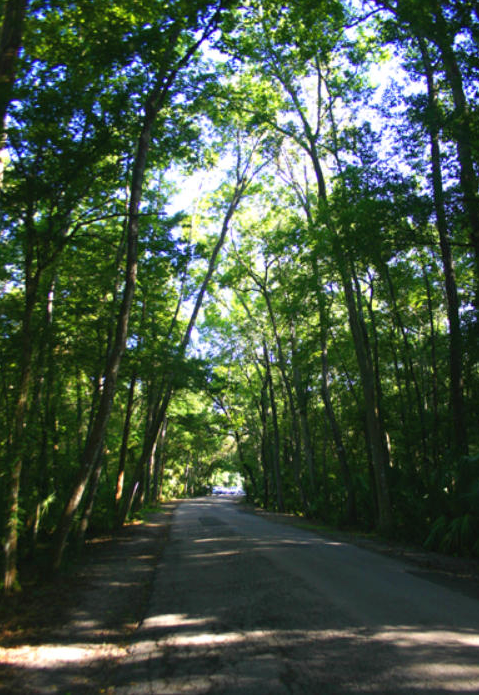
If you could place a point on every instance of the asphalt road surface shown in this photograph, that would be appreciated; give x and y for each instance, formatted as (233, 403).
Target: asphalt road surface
(242, 605)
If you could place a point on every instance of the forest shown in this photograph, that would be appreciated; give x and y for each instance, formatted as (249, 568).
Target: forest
(239, 242)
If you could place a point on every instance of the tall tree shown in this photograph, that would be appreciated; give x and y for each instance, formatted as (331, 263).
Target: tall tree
(178, 53)
(10, 39)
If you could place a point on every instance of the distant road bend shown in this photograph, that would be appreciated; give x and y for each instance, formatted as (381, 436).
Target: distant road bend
(242, 605)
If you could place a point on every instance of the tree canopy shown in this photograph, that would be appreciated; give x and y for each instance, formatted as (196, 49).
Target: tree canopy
(239, 238)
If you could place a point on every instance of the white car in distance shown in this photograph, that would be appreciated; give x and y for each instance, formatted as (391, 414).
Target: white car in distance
(227, 491)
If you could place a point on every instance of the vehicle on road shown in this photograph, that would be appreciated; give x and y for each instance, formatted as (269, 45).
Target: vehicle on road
(228, 491)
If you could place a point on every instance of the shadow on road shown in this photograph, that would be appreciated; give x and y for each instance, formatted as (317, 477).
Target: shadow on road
(224, 619)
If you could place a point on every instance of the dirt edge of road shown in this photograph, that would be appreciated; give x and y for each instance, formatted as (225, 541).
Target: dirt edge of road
(95, 607)
(61, 636)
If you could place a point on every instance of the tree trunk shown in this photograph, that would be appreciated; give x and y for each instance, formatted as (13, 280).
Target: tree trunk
(276, 441)
(404, 415)
(89, 502)
(374, 352)
(303, 418)
(161, 476)
(95, 439)
(324, 465)
(142, 474)
(435, 380)
(151, 436)
(120, 478)
(351, 515)
(292, 407)
(410, 372)
(44, 408)
(15, 453)
(10, 39)
(265, 451)
(330, 415)
(376, 441)
(460, 440)
(159, 463)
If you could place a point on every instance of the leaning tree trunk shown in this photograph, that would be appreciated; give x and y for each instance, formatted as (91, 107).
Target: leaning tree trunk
(120, 477)
(89, 502)
(159, 463)
(95, 439)
(155, 102)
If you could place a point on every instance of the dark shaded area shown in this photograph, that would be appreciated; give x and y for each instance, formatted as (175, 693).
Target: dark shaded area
(467, 584)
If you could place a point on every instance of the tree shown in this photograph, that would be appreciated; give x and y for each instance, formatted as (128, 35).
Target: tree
(10, 38)
(244, 172)
(430, 23)
(172, 63)
(321, 294)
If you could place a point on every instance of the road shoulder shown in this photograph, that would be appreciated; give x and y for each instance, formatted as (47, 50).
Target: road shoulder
(64, 635)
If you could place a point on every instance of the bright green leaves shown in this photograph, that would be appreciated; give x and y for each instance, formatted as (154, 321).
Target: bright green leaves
(321, 199)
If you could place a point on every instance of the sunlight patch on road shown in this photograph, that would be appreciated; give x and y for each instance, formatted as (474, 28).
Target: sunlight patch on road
(454, 678)
(207, 638)
(411, 637)
(214, 555)
(172, 620)
(54, 655)
(330, 543)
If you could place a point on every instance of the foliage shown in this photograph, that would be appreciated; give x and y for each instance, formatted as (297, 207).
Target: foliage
(333, 367)
(456, 529)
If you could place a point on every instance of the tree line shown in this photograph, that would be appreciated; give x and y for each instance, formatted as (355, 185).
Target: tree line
(309, 320)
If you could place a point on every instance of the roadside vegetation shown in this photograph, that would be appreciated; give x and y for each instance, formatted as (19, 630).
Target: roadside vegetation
(239, 247)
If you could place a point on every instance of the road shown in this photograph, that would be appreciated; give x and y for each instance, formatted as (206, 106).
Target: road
(242, 605)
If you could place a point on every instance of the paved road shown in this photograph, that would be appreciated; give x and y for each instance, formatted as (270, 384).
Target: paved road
(242, 605)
